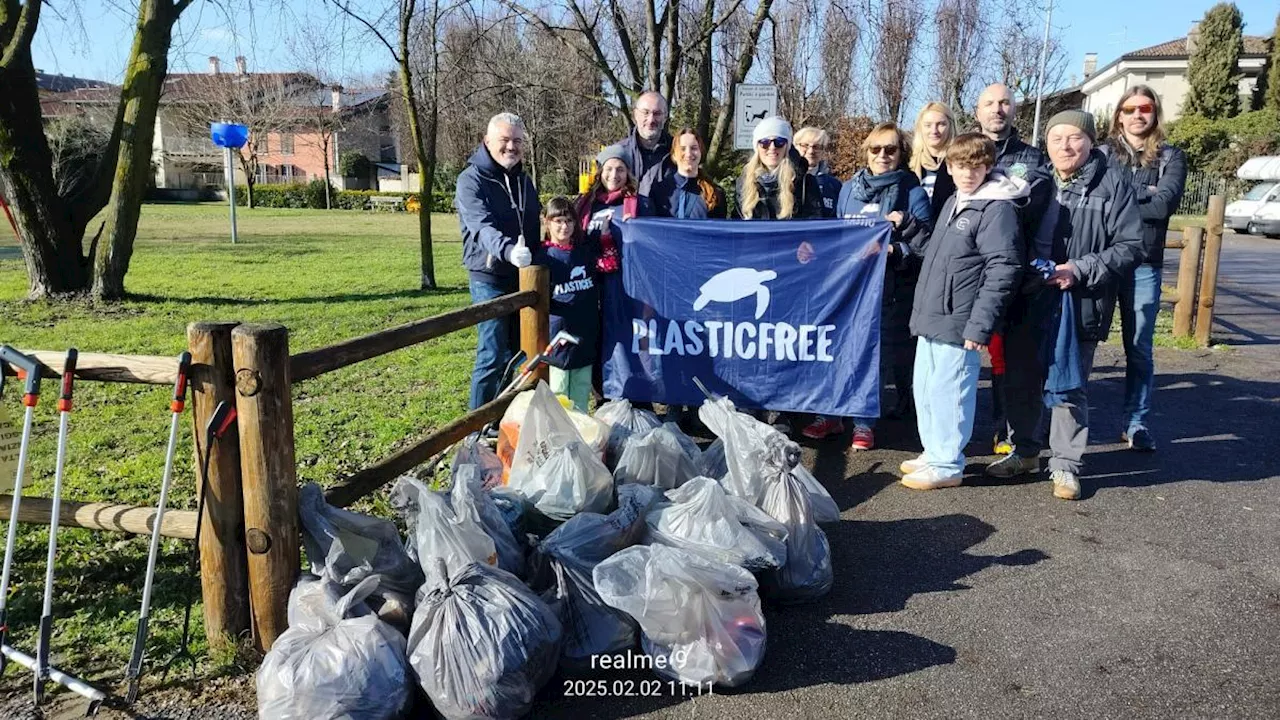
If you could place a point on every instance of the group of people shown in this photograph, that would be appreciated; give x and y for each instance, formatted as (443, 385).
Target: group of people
(995, 246)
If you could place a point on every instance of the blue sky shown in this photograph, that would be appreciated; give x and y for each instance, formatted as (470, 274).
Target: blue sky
(1107, 27)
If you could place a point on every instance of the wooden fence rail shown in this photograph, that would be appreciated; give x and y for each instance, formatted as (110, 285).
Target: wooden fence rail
(112, 517)
(104, 367)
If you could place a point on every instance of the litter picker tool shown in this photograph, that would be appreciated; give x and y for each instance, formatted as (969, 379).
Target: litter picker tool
(176, 406)
(39, 665)
(561, 339)
(223, 416)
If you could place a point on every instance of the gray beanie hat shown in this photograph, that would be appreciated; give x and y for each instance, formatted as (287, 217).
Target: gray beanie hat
(615, 152)
(1074, 118)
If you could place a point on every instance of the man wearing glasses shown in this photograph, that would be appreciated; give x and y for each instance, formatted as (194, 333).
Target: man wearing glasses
(649, 144)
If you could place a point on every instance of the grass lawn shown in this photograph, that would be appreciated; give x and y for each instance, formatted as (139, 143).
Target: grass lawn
(324, 275)
(1178, 222)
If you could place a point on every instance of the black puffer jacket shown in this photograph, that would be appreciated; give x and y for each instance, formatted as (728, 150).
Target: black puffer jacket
(805, 186)
(1093, 223)
(972, 265)
(1169, 178)
(1018, 159)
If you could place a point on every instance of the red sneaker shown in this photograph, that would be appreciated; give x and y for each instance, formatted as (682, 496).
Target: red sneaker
(823, 427)
(863, 438)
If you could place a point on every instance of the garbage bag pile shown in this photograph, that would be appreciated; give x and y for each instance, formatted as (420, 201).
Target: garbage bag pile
(541, 560)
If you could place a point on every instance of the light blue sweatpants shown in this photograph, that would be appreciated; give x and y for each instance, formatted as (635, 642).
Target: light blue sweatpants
(946, 395)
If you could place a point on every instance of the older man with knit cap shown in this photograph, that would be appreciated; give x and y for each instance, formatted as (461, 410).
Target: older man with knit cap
(1095, 232)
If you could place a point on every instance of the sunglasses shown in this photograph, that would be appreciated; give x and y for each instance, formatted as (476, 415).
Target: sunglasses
(889, 150)
(776, 142)
(1145, 108)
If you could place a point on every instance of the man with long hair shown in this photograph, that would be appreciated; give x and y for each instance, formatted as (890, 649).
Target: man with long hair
(1158, 171)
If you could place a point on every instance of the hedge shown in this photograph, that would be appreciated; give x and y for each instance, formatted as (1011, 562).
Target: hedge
(311, 195)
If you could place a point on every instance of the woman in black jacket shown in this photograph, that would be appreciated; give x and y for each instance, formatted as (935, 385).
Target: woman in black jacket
(776, 184)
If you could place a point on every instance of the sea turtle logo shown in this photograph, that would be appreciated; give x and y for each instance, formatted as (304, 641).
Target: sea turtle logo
(733, 285)
(578, 273)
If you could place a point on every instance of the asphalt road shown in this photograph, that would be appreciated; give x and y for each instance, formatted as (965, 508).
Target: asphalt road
(1247, 313)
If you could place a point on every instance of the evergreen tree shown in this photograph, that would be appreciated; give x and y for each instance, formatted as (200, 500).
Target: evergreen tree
(1272, 102)
(1213, 70)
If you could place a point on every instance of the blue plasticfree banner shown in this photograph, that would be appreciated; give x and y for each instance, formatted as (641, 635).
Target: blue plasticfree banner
(781, 315)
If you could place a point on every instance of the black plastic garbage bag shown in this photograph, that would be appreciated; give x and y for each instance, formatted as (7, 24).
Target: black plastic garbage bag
(807, 575)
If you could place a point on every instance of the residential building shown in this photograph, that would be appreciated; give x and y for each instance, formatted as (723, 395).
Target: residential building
(1164, 68)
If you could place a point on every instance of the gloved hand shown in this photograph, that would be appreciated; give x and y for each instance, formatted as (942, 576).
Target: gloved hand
(520, 256)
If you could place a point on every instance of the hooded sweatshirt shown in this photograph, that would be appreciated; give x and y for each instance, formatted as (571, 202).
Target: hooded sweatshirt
(972, 264)
(495, 207)
(830, 185)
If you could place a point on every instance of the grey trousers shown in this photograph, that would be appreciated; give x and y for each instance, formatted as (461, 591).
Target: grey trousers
(1023, 386)
(1069, 420)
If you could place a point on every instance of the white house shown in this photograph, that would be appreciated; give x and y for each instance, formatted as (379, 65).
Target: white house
(1164, 68)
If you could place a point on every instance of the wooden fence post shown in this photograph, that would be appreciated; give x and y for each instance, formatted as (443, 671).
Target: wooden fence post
(224, 578)
(269, 472)
(1209, 277)
(535, 321)
(1188, 276)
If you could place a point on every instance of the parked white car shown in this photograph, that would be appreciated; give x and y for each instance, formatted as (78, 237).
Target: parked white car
(1258, 212)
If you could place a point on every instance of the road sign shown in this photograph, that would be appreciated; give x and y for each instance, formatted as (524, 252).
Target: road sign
(752, 104)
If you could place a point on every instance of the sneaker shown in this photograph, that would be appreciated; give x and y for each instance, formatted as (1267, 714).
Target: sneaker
(782, 423)
(863, 438)
(822, 427)
(1012, 465)
(931, 478)
(1001, 446)
(912, 466)
(1139, 439)
(1065, 485)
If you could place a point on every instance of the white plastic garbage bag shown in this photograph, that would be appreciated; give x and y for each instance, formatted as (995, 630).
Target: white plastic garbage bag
(687, 443)
(368, 545)
(825, 509)
(562, 565)
(439, 530)
(482, 644)
(656, 457)
(623, 421)
(714, 464)
(336, 661)
(473, 451)
(700, 620)
(467, 492)
(807, 574)
(557, 473)
(701, 518)
(752, 449)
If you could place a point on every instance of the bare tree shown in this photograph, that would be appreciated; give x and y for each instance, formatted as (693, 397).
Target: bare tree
(960, 32)
(840, 35)
(1018, 55)
(897, 31)
(320, 110)
(263, 102)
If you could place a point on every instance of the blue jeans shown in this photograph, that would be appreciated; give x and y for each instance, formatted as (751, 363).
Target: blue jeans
(946, 395)
(1139, 303)
(494, 347)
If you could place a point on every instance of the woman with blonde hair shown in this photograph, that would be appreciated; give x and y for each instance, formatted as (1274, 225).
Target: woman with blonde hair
(1158, 172)
(687, 193)
(776, 184)
(935, 129)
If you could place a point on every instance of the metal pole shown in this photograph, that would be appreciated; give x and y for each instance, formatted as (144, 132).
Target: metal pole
(231, 193)
(1044, 59)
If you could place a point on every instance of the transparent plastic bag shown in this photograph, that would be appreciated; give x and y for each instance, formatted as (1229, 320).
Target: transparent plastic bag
(807, 575)
(467, 491)
(337, 660)
(439, 530)
(482, 644)
(656, 457)
(570, 480)
(623, 421)
(687, 443)
(367, 545)
(562, 565)
(703, 519)
(753, 450)
(825, 509)
(474, 451)
(714, 464)
(700, 620)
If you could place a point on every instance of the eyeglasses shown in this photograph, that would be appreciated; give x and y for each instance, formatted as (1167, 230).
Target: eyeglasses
(1145, 109)
(888, 150)
(776, 142)
(651, 113)
(810, 146)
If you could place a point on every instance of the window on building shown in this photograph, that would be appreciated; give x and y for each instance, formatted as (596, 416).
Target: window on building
(264, 144)
(286, 143)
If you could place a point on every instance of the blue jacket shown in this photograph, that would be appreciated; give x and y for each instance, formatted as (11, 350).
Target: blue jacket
(878, 195)
(495, 207)
(575, 302)
(677, 196)
(830, 186)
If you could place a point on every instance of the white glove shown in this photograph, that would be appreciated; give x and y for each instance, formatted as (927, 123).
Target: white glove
(520, 256)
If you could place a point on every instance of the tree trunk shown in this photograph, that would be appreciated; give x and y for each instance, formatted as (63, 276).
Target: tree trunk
(328, 201)
(248, 167)
(426, 165)
(49, 237)
(745, 60)
(140, 96)
(705, 78)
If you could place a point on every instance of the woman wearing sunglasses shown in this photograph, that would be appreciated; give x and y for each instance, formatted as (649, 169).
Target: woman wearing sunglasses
(887, 189)
(776, 184)
(1159, 173)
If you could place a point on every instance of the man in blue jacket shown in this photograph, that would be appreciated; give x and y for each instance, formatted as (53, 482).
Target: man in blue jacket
(498, 213)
